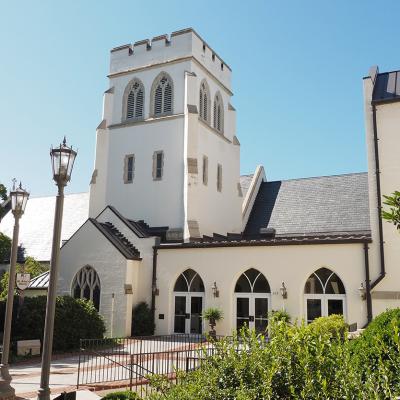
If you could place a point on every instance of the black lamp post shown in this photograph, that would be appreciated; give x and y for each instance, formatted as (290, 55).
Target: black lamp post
(19, 198)
(62, 161)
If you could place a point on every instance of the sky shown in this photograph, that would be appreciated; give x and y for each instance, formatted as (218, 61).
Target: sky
(297, 77)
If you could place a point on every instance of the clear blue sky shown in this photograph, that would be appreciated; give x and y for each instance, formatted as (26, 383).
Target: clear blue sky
(297, 77)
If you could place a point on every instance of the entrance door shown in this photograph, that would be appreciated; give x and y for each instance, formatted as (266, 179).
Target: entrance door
(188, 310)
(324, 305)
(252, 310)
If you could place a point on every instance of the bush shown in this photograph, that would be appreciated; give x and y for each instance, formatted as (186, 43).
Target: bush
(122, 396)
(75, 319)
(333, 325)
(142, 320)
(279, 315)
(298, 362)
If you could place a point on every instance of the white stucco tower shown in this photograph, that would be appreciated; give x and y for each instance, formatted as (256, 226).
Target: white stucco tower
(166, 149)
(382, 111)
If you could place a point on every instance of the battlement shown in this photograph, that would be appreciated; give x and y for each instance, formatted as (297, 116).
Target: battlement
(178, 46)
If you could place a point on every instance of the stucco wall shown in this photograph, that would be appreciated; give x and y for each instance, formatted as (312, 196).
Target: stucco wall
(291, 264)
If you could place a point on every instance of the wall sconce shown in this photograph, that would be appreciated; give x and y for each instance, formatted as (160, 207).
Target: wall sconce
(283, 291)
(155, 290)
(362, 291)
(215, 290)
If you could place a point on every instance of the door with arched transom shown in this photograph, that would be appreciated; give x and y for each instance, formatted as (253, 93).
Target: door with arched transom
(188, 303)
(324, 295)
(253, 300)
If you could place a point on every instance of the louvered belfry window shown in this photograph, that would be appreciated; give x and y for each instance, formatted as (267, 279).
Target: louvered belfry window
(218, 113)
(163, 96)
(135, 101)
(204, 106)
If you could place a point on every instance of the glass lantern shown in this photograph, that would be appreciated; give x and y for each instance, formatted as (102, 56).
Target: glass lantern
(62, 160)
(19, 198)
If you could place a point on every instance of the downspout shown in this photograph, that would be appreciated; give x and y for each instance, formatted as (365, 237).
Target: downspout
(367, 284)
(154, 280)
(378, 194)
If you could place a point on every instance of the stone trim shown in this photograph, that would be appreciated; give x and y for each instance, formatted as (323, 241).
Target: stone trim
(192, 166)
(155, 178)
(386, 295)
(205, 170)
(102, 125)
(218, 133)
(143, 121)
(110, 91)
(126, 158)
(236, 141)
(194, 230)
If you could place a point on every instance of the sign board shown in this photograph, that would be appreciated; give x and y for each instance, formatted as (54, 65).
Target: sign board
(23, 281)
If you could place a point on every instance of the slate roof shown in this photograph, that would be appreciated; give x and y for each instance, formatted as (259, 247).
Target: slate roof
(40, 282)
(387, 87)
(36, 225)
(245, 181)
(322, 205)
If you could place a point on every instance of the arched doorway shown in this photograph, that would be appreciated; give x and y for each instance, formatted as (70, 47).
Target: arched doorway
(253, 300)
(324, 295)
(188, 302)
(86, 285)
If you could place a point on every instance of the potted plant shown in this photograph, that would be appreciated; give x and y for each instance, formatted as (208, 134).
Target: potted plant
(213, 315)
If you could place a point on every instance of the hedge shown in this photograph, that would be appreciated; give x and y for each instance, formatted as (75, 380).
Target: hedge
(142, 320)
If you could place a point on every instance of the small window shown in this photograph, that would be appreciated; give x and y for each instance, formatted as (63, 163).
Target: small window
(219, 178)
(134, 103)
(129, 166)
(204, 102)
(158, 165)
(205, 170)
(162, 95)
(218, 113)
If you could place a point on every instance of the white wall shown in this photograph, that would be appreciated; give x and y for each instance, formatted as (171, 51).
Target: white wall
(291, 264)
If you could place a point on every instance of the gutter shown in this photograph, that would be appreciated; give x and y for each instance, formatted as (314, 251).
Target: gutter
(367, 284)
(382, 272)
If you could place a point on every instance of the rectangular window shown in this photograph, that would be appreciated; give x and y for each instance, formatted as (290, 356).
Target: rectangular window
(205, 170)
(219, 178)
(129, 167)
(158, 165)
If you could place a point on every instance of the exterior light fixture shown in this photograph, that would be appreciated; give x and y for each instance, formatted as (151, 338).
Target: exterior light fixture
(155, 290)
(62, 162)
(19, 198)
(362, 291)
(283, 291)
(215, 290)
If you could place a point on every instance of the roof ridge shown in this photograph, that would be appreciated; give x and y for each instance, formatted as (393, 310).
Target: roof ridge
(318, 177)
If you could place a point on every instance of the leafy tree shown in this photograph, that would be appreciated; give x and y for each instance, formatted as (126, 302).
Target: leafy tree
(5, 247)
(31, 266)
(392, 215)
(142, 320)
(3, 192)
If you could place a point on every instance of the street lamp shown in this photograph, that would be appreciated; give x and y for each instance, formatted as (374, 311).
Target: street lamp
(62, 161)
(19, 198)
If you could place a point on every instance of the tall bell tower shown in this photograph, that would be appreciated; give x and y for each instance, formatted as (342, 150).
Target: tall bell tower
(166, 148)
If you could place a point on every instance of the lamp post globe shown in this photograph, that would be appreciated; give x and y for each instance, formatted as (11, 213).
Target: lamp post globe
(62, 163)
(19, 198)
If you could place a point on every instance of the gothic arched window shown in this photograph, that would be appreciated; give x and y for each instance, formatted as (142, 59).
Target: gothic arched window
(162, 95)
(86, 285)
(134, 100)
(324, 294)
(204, 102)
(218, 113)
(189, 281)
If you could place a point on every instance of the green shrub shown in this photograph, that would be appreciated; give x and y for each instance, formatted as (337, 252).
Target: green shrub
(128, 395)
(333, 325)
(142, 320)
(212, 313)
(75, 319)
(279, 315)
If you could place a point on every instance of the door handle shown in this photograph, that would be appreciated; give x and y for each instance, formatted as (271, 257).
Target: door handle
(251, 318)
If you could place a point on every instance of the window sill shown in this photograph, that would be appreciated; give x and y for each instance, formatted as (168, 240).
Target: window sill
(131, 122)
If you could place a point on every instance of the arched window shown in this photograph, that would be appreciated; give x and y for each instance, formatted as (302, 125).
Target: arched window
(324, 294)
(204, 102)
(162, 95)
(253, 300)
(86, 285)
(218, 113)
(133, 100)
(188, 302)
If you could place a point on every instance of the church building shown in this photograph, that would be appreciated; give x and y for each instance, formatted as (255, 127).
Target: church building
(171, 222)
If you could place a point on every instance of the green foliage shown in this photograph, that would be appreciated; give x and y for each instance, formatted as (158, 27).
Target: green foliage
(392, 215)
(31, 266)
(124, 395)
(298, 362)
(5, 247)
(333, 325)
(142, 320)
(3, 192)
(75, 319)
(213, 314)
(279, 315)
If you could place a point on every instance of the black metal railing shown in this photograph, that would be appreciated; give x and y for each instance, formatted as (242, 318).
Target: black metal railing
(130, 362)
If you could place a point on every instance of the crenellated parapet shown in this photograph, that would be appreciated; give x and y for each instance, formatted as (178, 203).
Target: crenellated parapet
(164, 49)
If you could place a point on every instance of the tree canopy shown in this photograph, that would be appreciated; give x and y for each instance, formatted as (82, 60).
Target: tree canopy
(392, 214)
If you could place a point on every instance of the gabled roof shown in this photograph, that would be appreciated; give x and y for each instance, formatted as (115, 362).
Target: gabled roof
(387, 87)
(322, 205)
(36, 225)
(40, 282)
(245, 181)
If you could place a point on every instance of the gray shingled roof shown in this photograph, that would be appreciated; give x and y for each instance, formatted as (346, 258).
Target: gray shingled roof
(387, 86)
(325, 205)
(36, 225)
(40, 282)
(245, 181)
